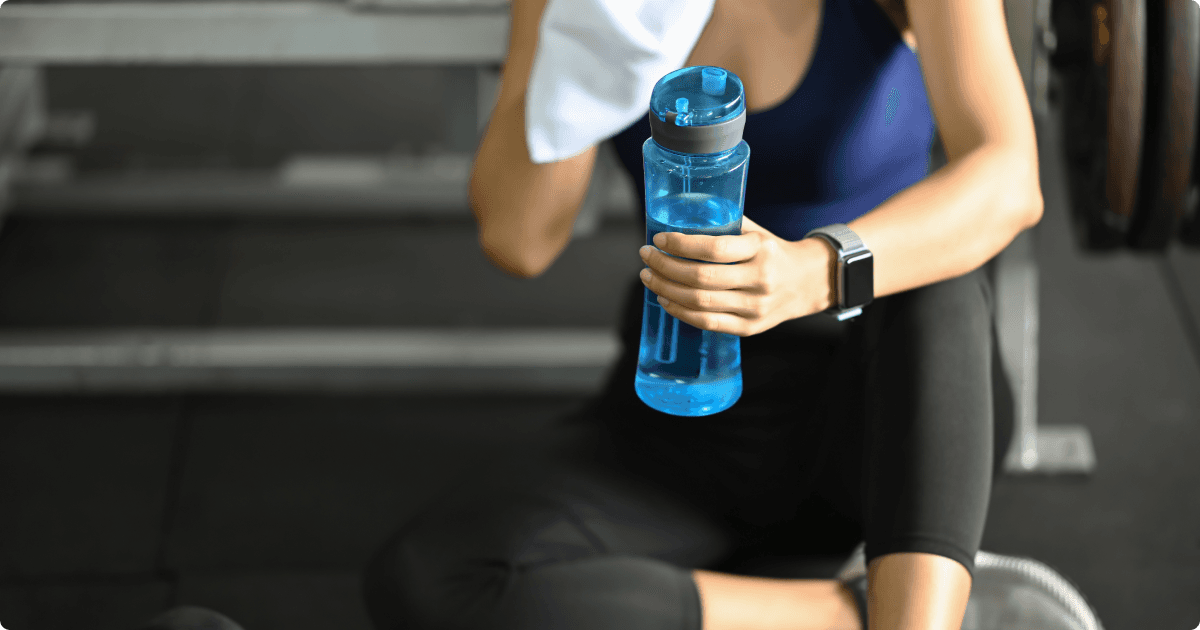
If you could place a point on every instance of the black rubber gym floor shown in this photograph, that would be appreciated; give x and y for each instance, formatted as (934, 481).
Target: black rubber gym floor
(113, 508)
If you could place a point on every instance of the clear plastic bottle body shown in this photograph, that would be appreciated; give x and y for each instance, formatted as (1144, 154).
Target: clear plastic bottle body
(684, 370)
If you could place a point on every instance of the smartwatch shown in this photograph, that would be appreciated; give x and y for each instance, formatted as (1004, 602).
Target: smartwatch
(854, 282)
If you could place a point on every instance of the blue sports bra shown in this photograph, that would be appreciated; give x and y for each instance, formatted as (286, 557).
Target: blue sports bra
(856, 131)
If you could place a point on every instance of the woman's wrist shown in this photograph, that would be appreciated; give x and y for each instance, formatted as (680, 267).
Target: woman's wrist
(821, 264)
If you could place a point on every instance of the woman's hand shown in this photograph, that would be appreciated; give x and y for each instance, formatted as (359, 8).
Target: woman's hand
(772, 280)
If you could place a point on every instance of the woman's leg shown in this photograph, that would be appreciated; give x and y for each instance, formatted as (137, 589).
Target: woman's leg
(567, 546)
(564, 545)
(929, 447)
(929, 420)
(561, 541)
(738, 602)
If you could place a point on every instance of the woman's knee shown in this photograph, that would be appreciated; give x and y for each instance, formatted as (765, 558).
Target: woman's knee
(451, 566)
(417, 581)
(391, 585)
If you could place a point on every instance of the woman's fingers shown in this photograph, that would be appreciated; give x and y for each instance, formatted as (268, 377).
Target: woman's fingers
(762, 282)
(706, 320)
(725, 248)
(722, 301)
(699, 275)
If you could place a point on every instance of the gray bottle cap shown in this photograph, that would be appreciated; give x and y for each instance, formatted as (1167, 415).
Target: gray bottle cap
(699, 139)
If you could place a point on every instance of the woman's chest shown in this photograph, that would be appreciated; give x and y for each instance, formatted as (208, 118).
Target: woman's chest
(770, 44)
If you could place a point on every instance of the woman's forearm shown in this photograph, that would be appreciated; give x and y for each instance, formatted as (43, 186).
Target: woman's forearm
(525, 211)
(953, 221)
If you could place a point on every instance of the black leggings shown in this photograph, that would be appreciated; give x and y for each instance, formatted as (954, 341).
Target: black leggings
(889, 427)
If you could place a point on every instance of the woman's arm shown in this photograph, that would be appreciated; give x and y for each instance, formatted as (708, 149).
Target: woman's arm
(960, 217)
(525, 211)
(948, 225)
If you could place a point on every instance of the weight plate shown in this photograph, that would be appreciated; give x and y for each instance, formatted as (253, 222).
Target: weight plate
(1070, 22)
(1126, 21)
(1189, 231)
(1103, 94)
(1085, 141)
(1173, 64)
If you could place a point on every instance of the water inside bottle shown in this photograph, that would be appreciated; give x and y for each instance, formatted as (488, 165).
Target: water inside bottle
(684, 370)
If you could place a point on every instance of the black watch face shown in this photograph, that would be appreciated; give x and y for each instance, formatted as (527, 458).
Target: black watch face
(859, 279)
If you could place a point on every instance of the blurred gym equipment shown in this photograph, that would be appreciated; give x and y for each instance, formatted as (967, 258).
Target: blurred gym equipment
(1131, 70)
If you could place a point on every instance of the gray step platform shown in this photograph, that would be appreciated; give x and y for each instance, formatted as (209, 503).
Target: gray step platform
(271, 32)
(146, 361)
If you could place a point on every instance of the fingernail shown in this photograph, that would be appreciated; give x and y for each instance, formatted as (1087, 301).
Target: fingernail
(645, 275)
(644, 252)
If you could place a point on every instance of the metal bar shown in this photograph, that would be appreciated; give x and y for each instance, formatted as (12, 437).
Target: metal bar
(1035, 450)
(267, 33)
(419, 360)
(1044, 43)
(1030, 329)
(22, 121)
(22, 108)
(1014, 277)
(1015, 281)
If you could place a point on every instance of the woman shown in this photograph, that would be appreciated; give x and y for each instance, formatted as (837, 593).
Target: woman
(628, 516)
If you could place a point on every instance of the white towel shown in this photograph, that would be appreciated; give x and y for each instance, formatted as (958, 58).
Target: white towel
(596, 65)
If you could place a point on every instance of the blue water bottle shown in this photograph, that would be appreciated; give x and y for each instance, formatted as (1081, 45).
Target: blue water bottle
(695, 162)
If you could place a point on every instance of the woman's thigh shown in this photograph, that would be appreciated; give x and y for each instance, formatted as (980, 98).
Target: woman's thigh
(915, 434)
(752, 466)
(558, 539)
